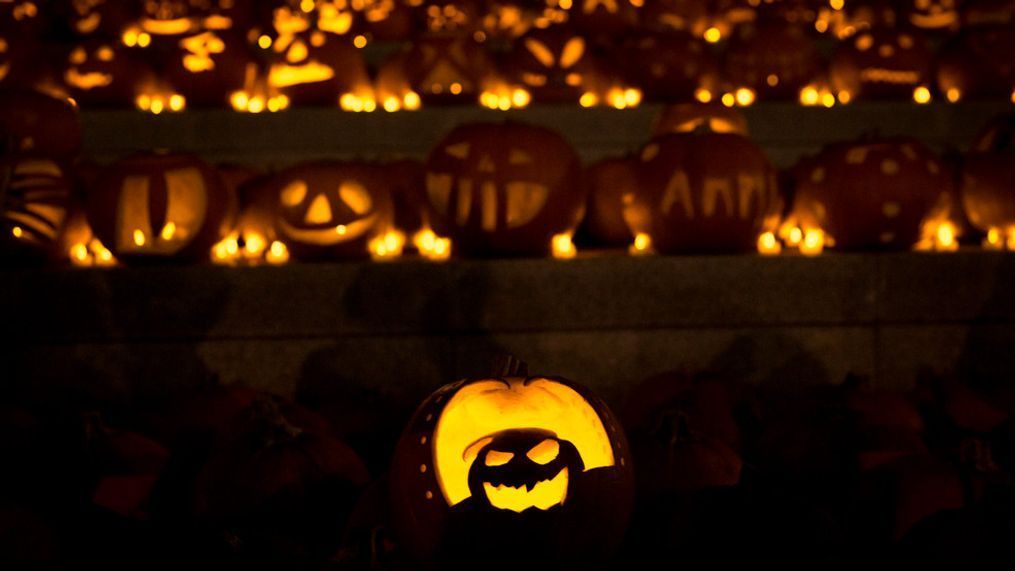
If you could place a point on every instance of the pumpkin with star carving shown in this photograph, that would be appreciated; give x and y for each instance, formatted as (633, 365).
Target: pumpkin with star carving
(503, 189)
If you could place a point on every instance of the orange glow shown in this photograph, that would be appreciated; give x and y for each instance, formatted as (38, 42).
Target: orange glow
(768, 245)
(713, 35)
(813, 242)
(562, 248)
(431, 246)
(642, 245)
(921, 95)
(387, 246)
(278, 254)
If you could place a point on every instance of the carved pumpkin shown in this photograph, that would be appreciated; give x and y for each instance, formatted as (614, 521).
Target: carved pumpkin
(883, 63)
(689, 117)
(503, 188)
(987, 12)
(668, 67)
(101, 18)
(701, 192)
(608, 182)
(98, 73)
(553, 64)
(871, 193)
(988, 188)
(156, 206)
(775, 61)
(978, 64)
(208, 66)
(168, 19)
(933, 15)
(31, 121)
(456, 18)
(35, 194)
(331, 209)
(446, 69)
(491, 464)
(316, 67)
(385, 20)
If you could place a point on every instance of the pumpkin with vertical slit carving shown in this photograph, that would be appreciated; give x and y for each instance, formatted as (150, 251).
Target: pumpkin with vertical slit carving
(503, 188)
(157, 206)
(702, 192)
(331, 209)
(35, 195)
(491, 464)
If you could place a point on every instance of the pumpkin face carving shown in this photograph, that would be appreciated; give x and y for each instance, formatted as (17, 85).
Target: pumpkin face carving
(208, 66)
(33, 122)
(101, 74)
(870, 194)
(446, 70)
(978, 63)
(34, 200)
(702, 192)
(99, 17)
(488, 462)
(157, 206)
(881, 64)
(553, 64)
(331, 209)
(503, 189)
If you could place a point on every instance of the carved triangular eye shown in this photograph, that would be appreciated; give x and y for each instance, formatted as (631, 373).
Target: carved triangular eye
(573, 51)
(459, 151)
(356, 197)
(497, 458)
(544, 452)
(294, 193)
(539, 51)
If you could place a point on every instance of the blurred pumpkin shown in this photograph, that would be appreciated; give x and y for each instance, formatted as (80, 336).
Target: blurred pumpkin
(33, 122)
(774, 61)
(35, 193)
(669, 66)
(689, 117)
(316, 68)
(208, 66)
(98, 73)
(988, 187)
(608, 182)
(554, 64)
(882, 64)
(446, 69)
(977, 64)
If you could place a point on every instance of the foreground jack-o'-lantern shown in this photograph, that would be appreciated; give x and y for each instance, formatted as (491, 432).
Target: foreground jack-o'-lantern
(883, 63)
(99, 73)
(608, 182)
(208, 66)
(689, 117)
(978, 64)
(332, 209)
(30, 121)
(701, 192)
(503, 189)
(34, 198)
(155, 206)
(870, 194)
(988, 188)
(512, 469)
(775, 61)
(669, 67)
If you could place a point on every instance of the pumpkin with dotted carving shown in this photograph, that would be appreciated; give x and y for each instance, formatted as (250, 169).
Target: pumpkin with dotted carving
(702, 192)
(872, 193)
(491, 464)
(503, 188)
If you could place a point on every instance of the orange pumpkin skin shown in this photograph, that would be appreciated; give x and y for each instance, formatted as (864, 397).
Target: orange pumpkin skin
(35, 195)
(330, 209)
(608, 182)
(702, 192)
(871, 193)
(33, 122)
(988, 187)
(151, 207)
(585, 530)
(503, 189)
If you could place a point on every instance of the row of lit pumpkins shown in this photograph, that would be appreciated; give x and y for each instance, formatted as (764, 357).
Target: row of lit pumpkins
(297, 65)
(511, 189)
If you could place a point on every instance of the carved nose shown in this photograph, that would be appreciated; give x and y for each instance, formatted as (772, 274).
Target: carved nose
(319, 211)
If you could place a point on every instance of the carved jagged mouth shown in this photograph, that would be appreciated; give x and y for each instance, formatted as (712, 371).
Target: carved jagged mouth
(895, 76)
(542, 495)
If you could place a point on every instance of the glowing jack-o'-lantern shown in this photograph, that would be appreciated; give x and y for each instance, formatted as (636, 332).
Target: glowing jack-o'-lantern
(883, 63)
(446, 70)
(168, 18)
(23, 17)
(978, 63)
(669, 67)
(605, 17)
(608, 182)
(489, 464)
(341, 210)
(775, 61)
(105, 18)
(503, 189)
(208, 66)
(701, 192)
(34, 197)
(98, 73)
(988, 187)
(33, 122)
(689, 117)
(870, 194)
(933, 15)
(384, 20)
(316, 68)
(156, 206)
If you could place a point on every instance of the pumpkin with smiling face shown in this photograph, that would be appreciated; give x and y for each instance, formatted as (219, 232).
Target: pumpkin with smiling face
(490, 465)
(101, 74)
(881, 64)
(870, 194)
(158, 206)
(503, 189)
(331, 209)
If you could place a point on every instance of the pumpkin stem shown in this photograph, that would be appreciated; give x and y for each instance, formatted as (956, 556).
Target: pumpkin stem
(508, 365)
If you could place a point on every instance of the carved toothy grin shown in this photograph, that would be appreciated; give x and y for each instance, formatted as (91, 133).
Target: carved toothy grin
(541, 495)
(88, 80)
